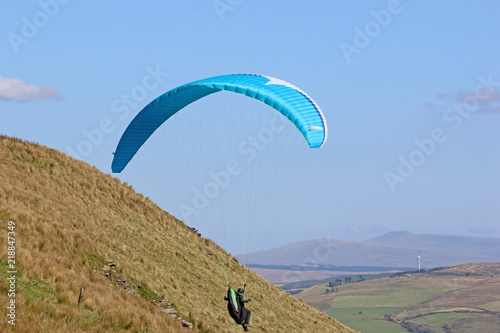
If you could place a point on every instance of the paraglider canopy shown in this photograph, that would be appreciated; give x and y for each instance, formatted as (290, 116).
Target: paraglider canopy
(289, 100)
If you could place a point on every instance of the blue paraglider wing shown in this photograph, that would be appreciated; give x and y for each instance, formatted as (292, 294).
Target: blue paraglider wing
(292, 102)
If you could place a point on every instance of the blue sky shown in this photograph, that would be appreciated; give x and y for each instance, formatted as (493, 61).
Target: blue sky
(410, 90)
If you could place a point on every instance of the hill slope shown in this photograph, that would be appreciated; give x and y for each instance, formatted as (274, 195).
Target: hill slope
(483, 248)
(394, 249)
(76, 227)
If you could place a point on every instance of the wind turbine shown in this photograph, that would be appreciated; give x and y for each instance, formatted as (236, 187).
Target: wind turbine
(419, 257)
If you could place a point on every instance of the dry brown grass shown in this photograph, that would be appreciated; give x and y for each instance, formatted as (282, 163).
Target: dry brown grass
(71, 218)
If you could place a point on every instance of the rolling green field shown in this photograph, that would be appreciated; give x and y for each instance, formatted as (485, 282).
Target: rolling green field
(440, 318)
(367, 319)
(444, 302)
(402, 293)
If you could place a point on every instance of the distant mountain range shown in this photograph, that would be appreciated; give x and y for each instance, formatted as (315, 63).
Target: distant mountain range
(393, 249)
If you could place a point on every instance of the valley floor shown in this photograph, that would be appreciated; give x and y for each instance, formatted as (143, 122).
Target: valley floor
(451, 300)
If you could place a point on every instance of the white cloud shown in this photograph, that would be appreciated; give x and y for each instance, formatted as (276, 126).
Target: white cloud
(16, 89)
(488, 101)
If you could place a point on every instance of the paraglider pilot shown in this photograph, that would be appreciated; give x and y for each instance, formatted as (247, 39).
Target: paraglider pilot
(236, 307)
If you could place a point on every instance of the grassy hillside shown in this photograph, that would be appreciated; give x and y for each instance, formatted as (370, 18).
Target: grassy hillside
(463, 298)
(76, 227)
